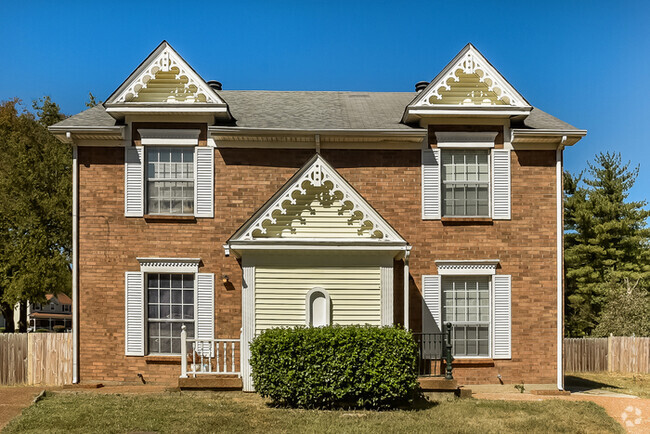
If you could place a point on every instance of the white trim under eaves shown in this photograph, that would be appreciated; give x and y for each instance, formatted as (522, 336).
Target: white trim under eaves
(169, 137)
(479, 111)
(466, 139)
(414, 132)
(547, 132)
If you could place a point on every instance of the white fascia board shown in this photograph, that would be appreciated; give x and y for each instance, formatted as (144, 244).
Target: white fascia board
(547, 132)
(121, 109)
(415, 132)
(450, 110)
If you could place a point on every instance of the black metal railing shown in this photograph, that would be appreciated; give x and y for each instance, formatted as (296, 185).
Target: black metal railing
(434, 352)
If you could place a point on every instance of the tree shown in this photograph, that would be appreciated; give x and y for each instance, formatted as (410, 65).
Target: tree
(92, 101)
(626, 311)
(606, 238)
(35, 193)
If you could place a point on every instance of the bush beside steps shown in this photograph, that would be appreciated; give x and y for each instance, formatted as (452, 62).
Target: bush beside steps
(335, 366)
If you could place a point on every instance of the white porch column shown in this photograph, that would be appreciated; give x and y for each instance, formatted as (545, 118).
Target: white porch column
(248, 322)
(407, 253)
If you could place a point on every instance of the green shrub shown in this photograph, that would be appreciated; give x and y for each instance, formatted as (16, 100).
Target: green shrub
(42, 331)
(58, 328)
(2, 329)
(337, 366)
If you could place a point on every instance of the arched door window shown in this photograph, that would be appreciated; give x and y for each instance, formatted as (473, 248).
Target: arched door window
(318, 305)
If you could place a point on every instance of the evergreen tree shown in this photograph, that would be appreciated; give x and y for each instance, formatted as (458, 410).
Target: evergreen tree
(35, 196)
(627, 309)
(606, 239)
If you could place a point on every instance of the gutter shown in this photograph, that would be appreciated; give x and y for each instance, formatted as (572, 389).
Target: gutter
(414, 132)
(75, 261)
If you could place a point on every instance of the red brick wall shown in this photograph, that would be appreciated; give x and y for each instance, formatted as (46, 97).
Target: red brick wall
(244, 179)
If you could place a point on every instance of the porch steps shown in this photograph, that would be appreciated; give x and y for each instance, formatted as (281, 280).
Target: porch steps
(440, 385)
(210, 382)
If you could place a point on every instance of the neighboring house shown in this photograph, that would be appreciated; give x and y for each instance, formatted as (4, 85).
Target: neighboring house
(231, 212)
(56, 311)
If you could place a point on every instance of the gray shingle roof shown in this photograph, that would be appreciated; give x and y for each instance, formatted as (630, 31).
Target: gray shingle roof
(314, 110)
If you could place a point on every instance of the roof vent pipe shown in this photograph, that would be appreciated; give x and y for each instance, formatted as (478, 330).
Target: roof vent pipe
(420, 85)
(214, 84)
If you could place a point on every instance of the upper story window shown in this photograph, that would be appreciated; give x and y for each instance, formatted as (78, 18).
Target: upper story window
(465, 183)
(170, 180)
(66, 307)
(465, 175)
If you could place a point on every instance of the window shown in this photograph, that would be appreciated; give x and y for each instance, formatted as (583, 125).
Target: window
(52, 306)
(466, 304)
(170, 305)
(66, 308)
(465, 183)
(170, 180)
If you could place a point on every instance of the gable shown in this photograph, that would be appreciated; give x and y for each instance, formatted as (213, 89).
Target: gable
(469, 80)
(164, 77)
(317, 204)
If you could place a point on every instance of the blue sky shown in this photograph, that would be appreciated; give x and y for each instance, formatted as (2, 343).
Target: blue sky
(585, 62)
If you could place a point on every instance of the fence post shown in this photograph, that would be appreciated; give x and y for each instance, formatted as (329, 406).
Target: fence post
(609, 352)
(183, 352)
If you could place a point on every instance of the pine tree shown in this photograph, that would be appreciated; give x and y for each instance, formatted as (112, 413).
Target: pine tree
(35, 196)
(606, 239)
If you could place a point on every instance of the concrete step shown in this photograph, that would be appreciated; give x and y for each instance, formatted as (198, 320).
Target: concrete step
(437, 384)
(213, 382)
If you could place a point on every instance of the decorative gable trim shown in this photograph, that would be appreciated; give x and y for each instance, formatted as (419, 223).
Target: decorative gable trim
(169, 265)
(165, 59)
(470, 61)
(463, 268)
(316, 172)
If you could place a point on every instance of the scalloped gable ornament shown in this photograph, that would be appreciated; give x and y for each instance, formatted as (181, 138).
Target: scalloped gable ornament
(317, 203)
(164, 77)
(469, 80)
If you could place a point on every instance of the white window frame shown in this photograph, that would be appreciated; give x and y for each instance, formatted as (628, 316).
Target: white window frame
(469, 269)
(480, 183)
(168, 138)
(166, 266)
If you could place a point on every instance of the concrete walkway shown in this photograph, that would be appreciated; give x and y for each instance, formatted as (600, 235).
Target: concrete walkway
(631, 412)
(13, 399)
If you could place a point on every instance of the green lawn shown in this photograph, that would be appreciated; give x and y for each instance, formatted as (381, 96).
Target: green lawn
(244, 413)
(631, 384)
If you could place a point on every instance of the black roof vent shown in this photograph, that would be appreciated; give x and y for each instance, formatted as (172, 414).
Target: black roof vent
(420, 85)
(214, 84)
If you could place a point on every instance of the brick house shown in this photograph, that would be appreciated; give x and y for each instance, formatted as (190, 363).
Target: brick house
(227, 212)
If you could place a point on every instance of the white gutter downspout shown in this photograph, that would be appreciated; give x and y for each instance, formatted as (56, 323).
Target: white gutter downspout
(560, 264)
(407, 254)
(75, 262)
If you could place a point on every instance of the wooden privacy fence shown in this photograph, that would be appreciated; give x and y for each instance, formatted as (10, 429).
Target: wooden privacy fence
(614, 354)
(35, 358)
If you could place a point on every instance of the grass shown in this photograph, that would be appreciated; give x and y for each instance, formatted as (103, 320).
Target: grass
(631, 384)
(245, 413)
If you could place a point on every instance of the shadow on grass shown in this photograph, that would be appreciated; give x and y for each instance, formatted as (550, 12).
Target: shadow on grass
(579, 384)
(418, 404)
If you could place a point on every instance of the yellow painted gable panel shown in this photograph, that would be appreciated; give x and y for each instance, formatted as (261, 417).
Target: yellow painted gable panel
(280, 293)
(468, 90)
(168, 86)
(319, 213)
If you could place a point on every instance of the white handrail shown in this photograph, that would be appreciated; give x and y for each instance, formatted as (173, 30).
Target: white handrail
(212, 356)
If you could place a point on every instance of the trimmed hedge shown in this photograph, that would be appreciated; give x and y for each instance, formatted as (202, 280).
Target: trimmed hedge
(336, 366)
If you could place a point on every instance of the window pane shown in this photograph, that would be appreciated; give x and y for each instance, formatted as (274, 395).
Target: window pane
(465, 178)
(466, 304)
(188, 281)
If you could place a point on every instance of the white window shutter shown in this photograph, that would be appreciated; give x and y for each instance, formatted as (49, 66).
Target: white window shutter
(501, 184)
(205, 306)
(502, 314)
(431, 197)
(133, 181)
(134, 313)
(204, 188)
(432, 306)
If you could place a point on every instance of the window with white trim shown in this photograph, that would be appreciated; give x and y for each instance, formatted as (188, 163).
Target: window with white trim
(466, 304)
(66, 308)
(465, 183)
(170, 180)
(170, 305)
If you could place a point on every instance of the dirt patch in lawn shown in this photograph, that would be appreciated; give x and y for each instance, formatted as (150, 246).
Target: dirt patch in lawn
(13, 399)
